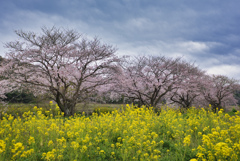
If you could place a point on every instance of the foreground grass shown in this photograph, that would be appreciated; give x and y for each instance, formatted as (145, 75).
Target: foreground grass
(133, 134)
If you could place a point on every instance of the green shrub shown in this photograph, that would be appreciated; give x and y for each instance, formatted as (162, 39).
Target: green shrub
(234, 110)
(19, 97)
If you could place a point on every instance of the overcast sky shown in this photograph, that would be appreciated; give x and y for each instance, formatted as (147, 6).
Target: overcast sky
(206, 32)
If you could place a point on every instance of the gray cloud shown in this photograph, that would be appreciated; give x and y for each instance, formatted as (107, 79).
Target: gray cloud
(206, 31)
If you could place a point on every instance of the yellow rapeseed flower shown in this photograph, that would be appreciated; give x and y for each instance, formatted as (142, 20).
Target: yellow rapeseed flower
(187, 140)
(50, 143)
(194, 159)
(2, 146)
(31, 140)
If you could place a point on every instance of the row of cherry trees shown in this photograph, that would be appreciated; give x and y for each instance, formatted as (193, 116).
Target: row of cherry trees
(72, 68)
(150, 80)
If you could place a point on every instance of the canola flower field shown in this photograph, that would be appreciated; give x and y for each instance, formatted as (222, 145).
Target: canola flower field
(129, 134)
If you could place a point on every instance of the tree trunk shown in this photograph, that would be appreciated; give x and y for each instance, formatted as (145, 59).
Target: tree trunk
(69, 109)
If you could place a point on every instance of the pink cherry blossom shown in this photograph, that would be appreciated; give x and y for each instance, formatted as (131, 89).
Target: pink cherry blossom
(60, 62)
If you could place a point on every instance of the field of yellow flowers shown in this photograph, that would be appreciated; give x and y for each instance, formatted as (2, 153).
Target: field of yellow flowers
(132, 134)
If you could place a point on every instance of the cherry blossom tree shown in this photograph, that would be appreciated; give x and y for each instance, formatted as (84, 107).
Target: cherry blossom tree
(60, 62)
(3, 88)
(218, 90)
(189, 88)
(146, 79)
(5, 84)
